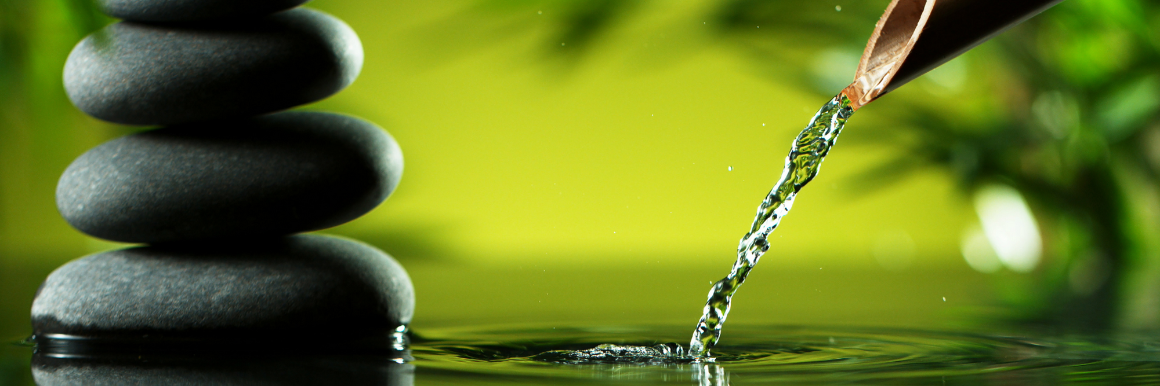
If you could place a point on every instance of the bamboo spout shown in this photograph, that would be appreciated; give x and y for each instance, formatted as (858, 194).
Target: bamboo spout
(915, 36)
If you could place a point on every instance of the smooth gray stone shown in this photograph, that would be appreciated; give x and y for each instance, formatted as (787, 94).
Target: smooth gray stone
(143, 74)
(191, 10)
(302, 287)
(266, 176)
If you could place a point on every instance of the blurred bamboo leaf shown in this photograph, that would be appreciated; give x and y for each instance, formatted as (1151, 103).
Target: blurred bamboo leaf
(1126, 108)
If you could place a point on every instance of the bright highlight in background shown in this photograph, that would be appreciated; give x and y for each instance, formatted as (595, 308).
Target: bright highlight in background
(1009, 227)
(978, 252)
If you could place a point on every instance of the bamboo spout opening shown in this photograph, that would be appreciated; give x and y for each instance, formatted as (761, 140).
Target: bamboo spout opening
(893, 38)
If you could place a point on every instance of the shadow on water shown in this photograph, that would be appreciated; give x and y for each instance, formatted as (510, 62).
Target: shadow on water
(67, 362)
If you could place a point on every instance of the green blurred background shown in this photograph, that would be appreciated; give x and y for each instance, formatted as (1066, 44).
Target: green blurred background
(596, 162)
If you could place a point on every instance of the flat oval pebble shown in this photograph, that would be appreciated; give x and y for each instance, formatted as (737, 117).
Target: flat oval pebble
(303, 289)
(147, 74)
(266, 176)
(190, 10)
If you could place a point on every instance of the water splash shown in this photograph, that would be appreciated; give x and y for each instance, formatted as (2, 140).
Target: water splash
(612, 353)
(805, 158)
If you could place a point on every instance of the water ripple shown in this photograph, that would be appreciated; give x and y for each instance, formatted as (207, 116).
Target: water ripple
(779, 354)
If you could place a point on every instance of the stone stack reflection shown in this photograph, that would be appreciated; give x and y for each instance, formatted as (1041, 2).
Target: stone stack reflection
(219, 191)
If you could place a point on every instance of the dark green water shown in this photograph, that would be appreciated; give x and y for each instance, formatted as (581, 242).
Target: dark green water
(755, 355)
(800, 355)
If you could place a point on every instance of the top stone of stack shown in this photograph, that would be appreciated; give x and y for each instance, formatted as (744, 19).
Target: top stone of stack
(149, 74)
(192, 10)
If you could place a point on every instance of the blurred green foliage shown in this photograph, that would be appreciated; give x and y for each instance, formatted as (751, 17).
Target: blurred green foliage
(1076, 134)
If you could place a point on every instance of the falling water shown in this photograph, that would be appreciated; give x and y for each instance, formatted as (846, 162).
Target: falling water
(801, 166)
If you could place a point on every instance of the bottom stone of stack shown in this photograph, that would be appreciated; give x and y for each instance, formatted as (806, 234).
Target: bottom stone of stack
(295, 293)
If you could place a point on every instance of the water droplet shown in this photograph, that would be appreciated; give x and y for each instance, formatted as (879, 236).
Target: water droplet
(730, 168)
(539, 12)
(838, 8)
(561, 44)
(944, 298)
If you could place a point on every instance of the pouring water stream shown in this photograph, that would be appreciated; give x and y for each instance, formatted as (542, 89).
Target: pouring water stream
(805, 158)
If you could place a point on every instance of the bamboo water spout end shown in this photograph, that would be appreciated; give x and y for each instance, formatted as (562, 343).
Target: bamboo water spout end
(891, 42)
(915, 36)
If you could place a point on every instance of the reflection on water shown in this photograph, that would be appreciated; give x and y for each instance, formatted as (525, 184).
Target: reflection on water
(329, 370)
(709, 374)
(757, 355)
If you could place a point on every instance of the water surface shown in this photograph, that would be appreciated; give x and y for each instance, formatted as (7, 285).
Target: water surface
(794, 355)
(756, 355)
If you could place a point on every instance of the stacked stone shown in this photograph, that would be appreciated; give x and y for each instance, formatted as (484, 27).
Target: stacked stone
(219, 190)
